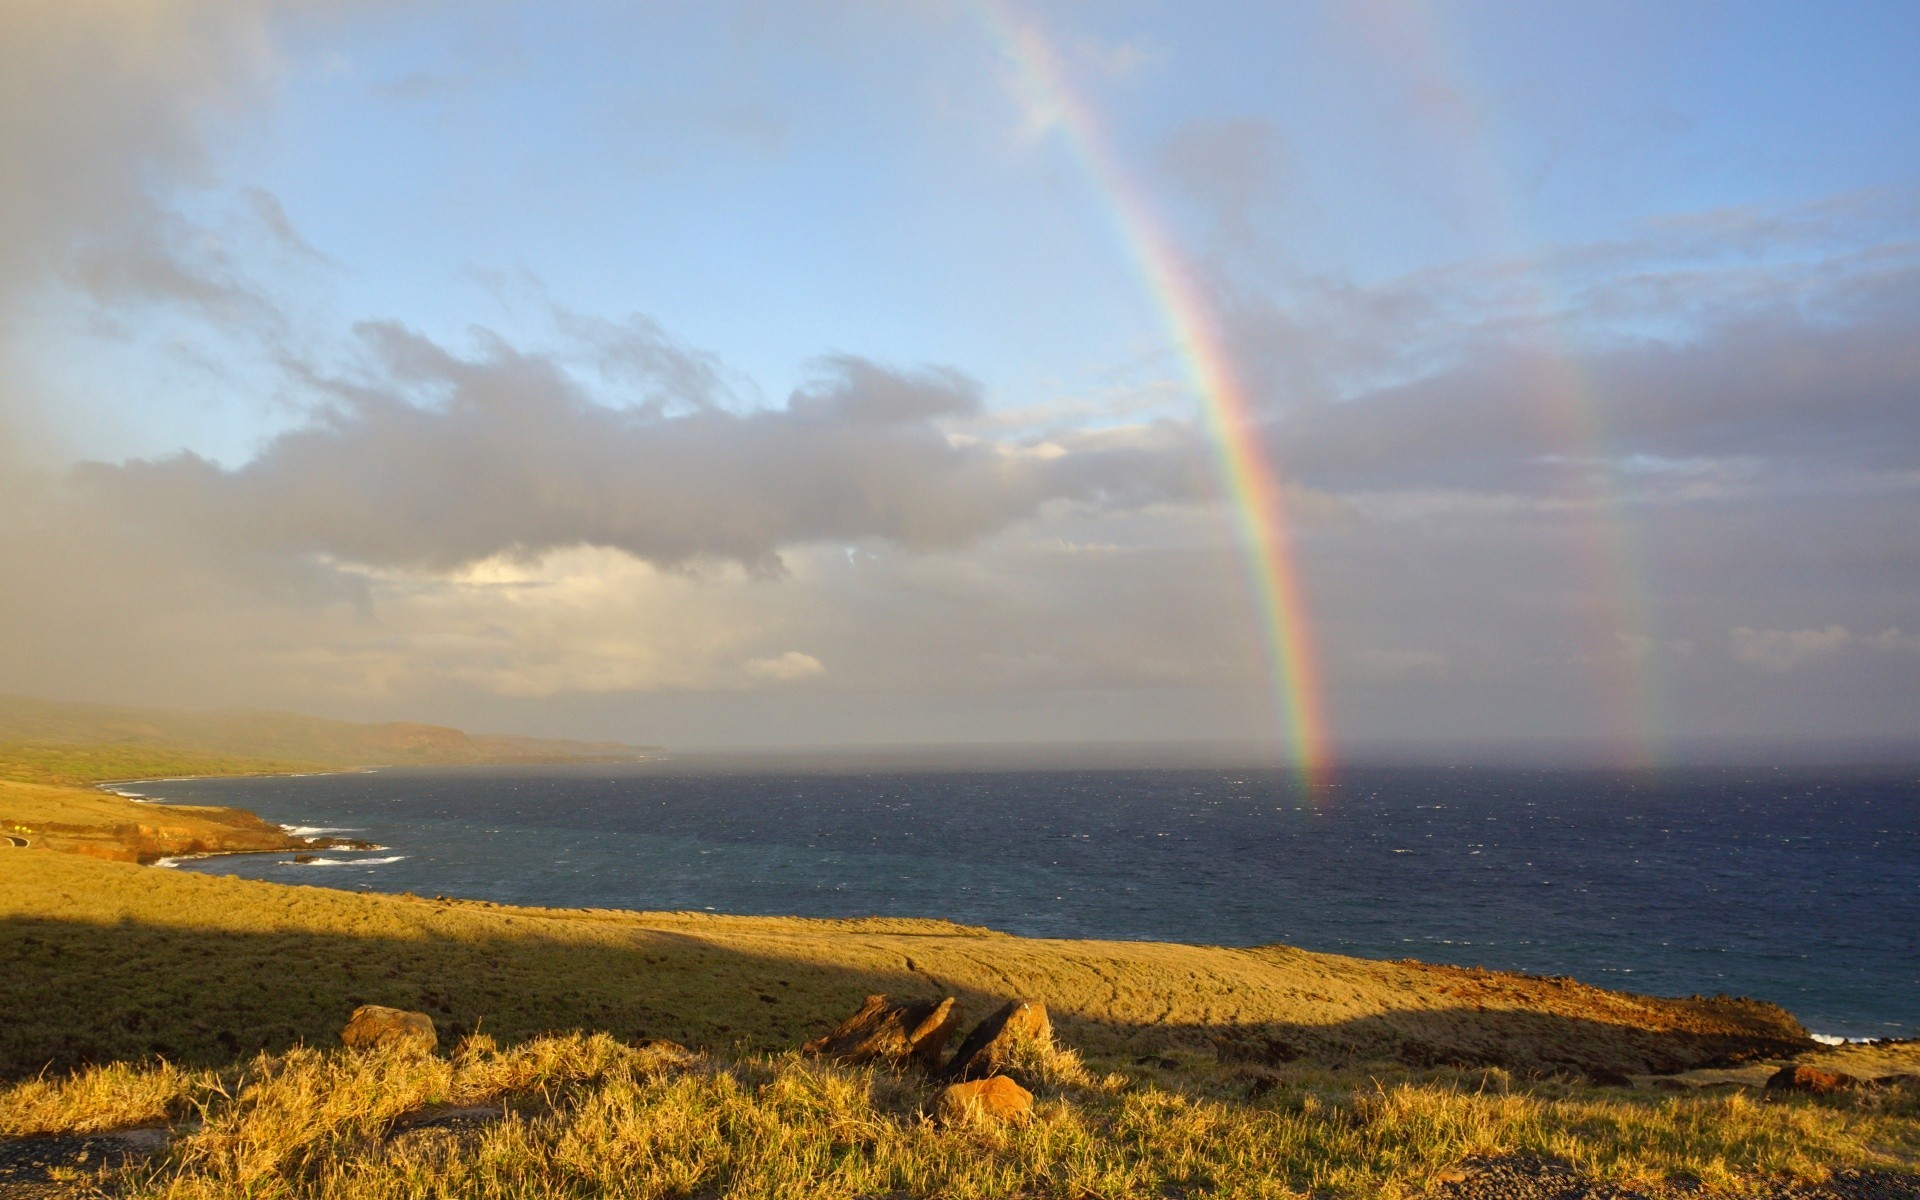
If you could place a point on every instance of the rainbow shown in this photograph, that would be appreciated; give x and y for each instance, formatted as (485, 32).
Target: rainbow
(1254, 488)
(1609, 605)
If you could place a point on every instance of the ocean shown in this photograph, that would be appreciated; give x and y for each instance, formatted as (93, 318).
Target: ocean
(1796, 885)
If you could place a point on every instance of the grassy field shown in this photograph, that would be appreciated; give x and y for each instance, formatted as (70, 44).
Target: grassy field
(138, 996)
(592, 1116)
(122, 961)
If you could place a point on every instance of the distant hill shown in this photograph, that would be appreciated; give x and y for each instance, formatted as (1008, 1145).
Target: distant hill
(52, 741)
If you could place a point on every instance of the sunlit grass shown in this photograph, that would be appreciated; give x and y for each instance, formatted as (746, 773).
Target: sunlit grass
(588, 1115)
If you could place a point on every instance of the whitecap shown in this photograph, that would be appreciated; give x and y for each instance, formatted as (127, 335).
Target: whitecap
(343, 862)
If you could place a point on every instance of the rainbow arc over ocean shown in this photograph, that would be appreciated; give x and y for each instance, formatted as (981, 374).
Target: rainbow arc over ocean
(1608, 604)
(1254, 489)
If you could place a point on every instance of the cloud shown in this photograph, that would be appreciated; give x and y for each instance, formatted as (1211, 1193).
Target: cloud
(96, 102)
(1788, 649)
(432, 460)
(1231, 168)
(1785, 649)
(612, 533)
(786, 668)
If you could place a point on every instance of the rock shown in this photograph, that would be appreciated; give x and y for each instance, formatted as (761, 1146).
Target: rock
(988, 1049)
(995, 1099)
(892, 1031)
(1811, 1081)
(377, 1025)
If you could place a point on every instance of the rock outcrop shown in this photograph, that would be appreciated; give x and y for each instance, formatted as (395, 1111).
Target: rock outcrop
(887, 1030)
(1811, 1081)
(994, 1099)
(375, 1025)
(989, 1048)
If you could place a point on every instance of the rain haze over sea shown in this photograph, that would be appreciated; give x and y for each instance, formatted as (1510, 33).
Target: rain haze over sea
(1797, 885)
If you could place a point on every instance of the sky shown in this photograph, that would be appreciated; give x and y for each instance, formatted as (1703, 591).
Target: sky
(1328, 377)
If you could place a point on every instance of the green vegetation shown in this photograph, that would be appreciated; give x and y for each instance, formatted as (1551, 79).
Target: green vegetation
(74, 765)
(43, 741)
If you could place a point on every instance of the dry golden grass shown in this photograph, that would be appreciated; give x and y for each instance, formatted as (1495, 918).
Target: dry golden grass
(590, 1116)
(92, 822)
(120, 961)
(1169, 1081)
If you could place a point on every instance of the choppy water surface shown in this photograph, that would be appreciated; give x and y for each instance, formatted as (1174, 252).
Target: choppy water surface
(1800, 886)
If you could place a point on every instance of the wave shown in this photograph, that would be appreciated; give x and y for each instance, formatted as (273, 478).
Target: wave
(307, 831)
(343, 862)
(1830, 1039)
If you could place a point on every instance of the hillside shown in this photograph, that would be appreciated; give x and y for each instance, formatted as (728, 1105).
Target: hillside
(123, 961)
(45, 741)
(174, 1034)
(210, 1009)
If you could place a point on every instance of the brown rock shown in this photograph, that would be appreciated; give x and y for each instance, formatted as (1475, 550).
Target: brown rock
(377, 1025)
(892, 1031)
(995, 1099)
(1810, 1080)
(988, 1049)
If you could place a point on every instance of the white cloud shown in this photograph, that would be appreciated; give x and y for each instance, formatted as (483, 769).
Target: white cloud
(1896, 641)
(786, 668)
(1786, 649)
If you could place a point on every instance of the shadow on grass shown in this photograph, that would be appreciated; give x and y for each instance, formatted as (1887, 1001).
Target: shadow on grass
(74, 993)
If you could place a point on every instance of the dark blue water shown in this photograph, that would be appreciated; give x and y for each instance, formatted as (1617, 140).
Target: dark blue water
(1798, 886)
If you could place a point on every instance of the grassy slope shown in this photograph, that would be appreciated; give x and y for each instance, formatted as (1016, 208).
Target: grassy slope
(1245, 1072)
(90, 822)
(112, 961)
(119, 961)
(589, 1116)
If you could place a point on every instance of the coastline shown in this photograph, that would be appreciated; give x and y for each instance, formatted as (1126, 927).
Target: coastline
(242, 832)
(99, 822)
(643, 868)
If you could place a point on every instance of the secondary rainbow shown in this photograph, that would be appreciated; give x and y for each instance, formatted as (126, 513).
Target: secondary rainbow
(1609, 601)
(1258, 499)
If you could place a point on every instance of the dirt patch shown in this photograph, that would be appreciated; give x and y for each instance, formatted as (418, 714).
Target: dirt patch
(45, 1166)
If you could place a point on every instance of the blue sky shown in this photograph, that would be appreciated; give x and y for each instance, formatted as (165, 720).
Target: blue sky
(237, 218)
(773, 185)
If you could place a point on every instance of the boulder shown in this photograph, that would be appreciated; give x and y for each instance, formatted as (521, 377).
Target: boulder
(994, 1099)
(892, 1031)
(988, 1049)
(1811, 1081)
(374, 1025)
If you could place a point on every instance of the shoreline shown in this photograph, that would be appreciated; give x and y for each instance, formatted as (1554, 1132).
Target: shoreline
(304, 840)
